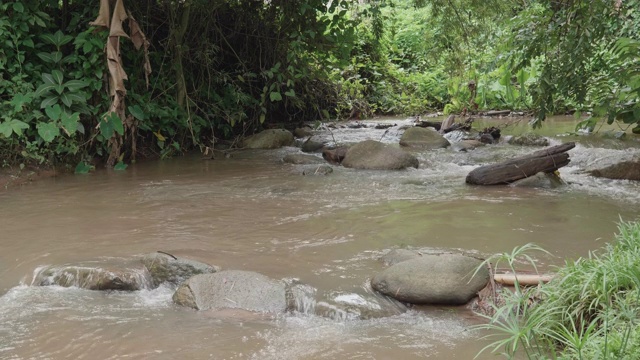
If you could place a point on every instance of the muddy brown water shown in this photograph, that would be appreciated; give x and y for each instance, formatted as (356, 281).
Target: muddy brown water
(252, 212)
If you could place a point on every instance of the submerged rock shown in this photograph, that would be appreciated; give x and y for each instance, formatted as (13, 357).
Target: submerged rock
(433, 279)
(302, 132)
(625, 170)
(96, 276)
(540, 180)
(423, 138)
(302, 159)
(317, 170)
(269, 139)
(233, 289)
(529, 139)
(374, 155)
(311, 146)
(167, 268)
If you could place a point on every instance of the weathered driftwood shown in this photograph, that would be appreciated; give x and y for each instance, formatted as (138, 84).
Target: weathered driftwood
(547, 160)
(523, 279)
(497, 113)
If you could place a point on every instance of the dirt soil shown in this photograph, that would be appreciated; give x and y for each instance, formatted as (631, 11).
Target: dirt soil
(13, 178)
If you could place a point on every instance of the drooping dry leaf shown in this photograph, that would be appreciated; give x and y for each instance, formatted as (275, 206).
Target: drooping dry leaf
(140, 40)
(103, 15)
(114, 62)
(119, 15)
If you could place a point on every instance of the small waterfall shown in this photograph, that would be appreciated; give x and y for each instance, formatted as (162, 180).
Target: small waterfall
(301, 298)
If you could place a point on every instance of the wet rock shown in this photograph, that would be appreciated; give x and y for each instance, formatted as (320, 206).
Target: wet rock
(302, 159)
(96, 276)
(233, 289)
(423, 138)
(335, 156)
(529, 139)
(374, 155)
(455, 136)
(381, 126)
(466, 145)
(269, 139)
(311, 146)
(174, 270)
(625, 170)
(398, 255)
(487, 139)
(356, 125)
(433, 279)
(317, 170)
(302, 132)
(540, 180)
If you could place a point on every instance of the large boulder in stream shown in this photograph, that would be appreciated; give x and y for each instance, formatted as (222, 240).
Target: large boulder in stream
(234, 289)
(624, 170)
(269, 139)
(423, 138)
(446, 279)
(374, 155)
(164, 267)
(125, 276)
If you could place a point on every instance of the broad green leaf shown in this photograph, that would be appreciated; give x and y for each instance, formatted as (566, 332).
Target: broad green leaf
(56, 56)
(262, 118)
(120, 166)
(28, 43)
(48, 131)
(48, 79)
(49, 101)
(83, 168)
(18, 126)
(75, 85)
(46, 57)
(64, 97)
(70, 123)
(53, 112)
(107, 125)
(137, 112)
(57, 76)
(18, 7)
(19, 100)
(118, 126)
(275, 96)
(290, 93)
(6, 129)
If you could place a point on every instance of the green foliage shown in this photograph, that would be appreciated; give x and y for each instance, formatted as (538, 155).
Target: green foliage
(588, 311)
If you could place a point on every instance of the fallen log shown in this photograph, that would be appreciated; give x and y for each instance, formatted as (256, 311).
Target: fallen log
(497, 113)
(523, 279)
(547, 161)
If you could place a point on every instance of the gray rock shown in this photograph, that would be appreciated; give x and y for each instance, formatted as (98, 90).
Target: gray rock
(433, 279)
(466, 145)
(423, 138)
(540, 180)
(374, 155)
(317, 170)
(269, 139)
(233, 289)
(625, 170)
(302, 132)
(96, 276)
(398, 255)
(529, 139)
(302, 159)
(165, 268)
(311, 146)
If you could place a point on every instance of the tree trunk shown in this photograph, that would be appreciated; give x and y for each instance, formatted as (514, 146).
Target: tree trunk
(547, 160)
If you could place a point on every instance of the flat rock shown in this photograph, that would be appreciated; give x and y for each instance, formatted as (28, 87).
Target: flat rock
(624, 170)
(423, 138)
(317, 170)
(529, 139)
(124, 276)
(234, 289)
(311, 146)
(540, 180)
(269, 139)
(302, 159)
(374, 155)
(174, 270)
(433, 279)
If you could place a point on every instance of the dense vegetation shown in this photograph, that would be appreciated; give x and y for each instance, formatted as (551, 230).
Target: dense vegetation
(220, 69)
(588, 311)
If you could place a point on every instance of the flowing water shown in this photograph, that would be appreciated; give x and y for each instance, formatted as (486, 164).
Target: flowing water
(252, 212)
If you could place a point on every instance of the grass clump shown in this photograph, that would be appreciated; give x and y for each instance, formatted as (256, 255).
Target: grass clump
(590, 310)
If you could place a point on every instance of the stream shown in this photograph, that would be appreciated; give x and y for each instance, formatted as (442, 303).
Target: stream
(252, 212)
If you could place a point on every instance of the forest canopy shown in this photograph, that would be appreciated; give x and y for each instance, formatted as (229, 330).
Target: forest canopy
(196, 72)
